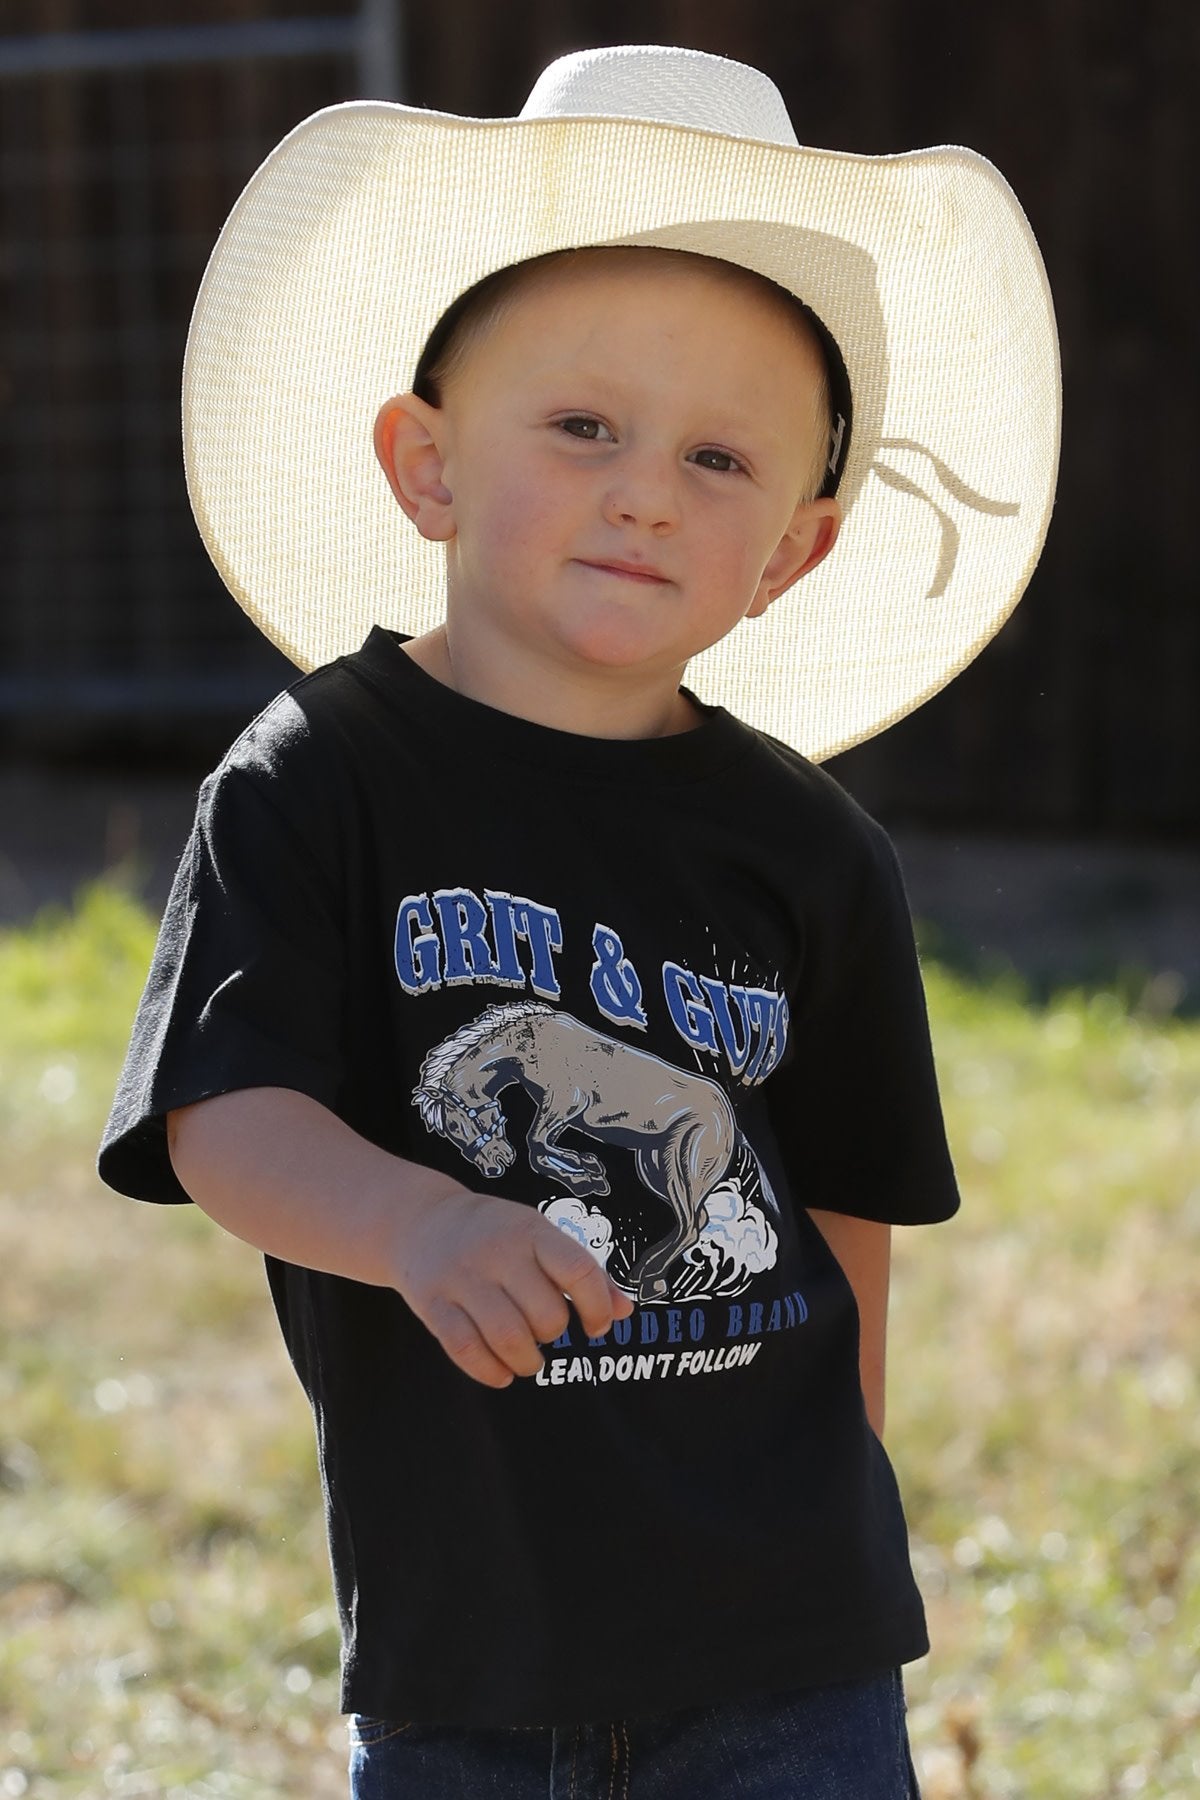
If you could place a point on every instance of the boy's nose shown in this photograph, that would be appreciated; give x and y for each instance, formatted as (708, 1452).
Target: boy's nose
(643, 496)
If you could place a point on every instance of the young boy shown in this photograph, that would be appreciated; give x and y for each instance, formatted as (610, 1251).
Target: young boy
(558, 1037)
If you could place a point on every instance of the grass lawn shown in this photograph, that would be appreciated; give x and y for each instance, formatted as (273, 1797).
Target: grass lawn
(166, 1627)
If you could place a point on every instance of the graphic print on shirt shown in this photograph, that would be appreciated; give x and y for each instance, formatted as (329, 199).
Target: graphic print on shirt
(679, 1128)
(453, 937)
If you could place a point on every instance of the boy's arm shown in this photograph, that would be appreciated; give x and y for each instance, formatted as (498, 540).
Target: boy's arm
(864, 1250)
(490, 1278)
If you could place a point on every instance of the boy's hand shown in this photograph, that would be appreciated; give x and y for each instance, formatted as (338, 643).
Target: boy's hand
(491, 1278)
(488, 1277)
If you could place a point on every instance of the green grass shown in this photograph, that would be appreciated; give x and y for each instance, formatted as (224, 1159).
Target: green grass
(1045, 1403)
(166, 1627)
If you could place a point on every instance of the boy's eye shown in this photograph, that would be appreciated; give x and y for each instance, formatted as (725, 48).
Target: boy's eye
(581, 426)
(719, 460)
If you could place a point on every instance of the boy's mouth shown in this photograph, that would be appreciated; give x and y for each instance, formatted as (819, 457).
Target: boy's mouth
(629, 571)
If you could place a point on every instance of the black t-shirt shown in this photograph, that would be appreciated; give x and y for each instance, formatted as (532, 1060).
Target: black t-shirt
(666, 991)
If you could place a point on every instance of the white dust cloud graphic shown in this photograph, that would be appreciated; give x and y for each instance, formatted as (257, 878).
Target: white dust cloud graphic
(586, 1223)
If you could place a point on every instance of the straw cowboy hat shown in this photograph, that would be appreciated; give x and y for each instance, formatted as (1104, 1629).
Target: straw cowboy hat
(369, 219)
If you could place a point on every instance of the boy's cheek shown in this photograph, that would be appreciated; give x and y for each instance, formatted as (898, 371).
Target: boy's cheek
(511, 522)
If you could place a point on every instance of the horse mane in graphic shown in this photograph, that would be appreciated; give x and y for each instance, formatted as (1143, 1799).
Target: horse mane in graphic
(445, 1057)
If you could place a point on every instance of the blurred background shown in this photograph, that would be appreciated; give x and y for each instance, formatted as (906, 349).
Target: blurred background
(1047, 803)
(166, 1628)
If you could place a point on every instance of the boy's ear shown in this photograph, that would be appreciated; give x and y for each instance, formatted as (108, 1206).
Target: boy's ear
(807, 541)
(408, 443)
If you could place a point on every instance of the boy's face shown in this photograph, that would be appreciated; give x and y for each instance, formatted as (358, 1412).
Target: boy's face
(617, 467)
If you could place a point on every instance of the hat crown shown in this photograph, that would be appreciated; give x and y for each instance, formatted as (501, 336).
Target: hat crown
(664, 85)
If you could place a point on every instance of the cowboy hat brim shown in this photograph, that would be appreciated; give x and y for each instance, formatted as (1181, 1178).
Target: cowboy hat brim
(367, 221)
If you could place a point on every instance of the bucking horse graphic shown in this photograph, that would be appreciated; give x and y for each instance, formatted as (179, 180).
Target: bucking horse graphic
(680, 1127)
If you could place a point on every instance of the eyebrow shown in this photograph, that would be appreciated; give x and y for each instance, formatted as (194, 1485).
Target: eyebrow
(599, 384)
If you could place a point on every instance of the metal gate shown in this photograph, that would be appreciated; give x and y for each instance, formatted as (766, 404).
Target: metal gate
(121, 151)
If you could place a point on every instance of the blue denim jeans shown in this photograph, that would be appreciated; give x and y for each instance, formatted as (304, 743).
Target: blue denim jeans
(847, 1741)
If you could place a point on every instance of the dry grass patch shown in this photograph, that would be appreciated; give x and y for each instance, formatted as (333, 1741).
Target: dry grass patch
(166, 1628)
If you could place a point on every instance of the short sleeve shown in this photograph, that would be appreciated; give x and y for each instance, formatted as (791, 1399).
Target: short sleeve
(855, 1107)
(246, 985)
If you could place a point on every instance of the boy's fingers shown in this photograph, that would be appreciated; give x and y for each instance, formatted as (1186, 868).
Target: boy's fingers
(504, 1329)
(575, 1272)
(622, 1303)
(456, 1333)
(540, 1302)
(508, 1295)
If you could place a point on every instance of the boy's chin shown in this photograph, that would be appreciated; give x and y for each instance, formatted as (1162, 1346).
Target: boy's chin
(623, 644)
(635, 664)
